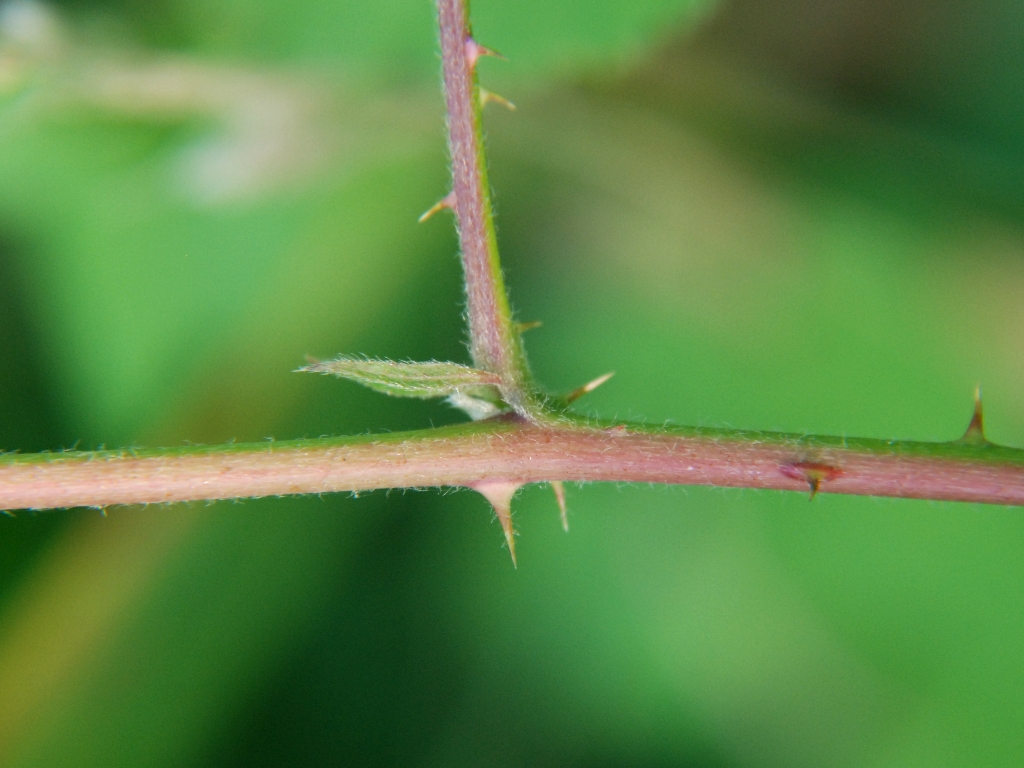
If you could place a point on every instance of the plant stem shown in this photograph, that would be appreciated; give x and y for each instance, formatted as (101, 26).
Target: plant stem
(530, 445)
(494, 340)
(510, 450)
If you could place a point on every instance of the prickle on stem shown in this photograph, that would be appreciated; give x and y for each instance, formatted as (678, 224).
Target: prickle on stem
(499, 493)
(474, 51)
(559, 488)
(590, 386)
(488, 97)
(446, 202)
(975, 434)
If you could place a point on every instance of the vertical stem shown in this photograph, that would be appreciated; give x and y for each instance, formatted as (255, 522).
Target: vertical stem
(494, 340)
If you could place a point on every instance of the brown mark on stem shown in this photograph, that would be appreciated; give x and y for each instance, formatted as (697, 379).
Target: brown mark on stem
(811, 472)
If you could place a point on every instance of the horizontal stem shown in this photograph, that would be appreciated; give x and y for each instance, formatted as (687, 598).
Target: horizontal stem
(511, 450)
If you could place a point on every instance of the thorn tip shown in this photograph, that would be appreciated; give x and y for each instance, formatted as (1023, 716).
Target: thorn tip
(499, 493)
(474, 51)
(446, 202)
(975, 433)
(528, 326)
(488, 97)
(559, 489)
(590, 386)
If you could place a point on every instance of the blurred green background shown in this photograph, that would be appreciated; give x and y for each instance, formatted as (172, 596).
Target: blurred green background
(783, 215)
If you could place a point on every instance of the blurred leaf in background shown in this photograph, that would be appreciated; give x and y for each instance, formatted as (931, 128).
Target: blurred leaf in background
(787, 215)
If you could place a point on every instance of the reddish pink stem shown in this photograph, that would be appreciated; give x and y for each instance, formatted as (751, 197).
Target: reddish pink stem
(500, 455)
(492, 338)
(510, 452)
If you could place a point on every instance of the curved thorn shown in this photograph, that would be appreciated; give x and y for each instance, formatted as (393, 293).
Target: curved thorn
(590, 386)
(488, 97)
(975, 433)
(559, 489)
(446, 202)
(474, 51)
(499, 493)
(529, 326)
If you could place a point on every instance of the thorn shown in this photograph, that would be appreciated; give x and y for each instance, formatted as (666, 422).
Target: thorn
(524, 327)
(474, 51)
(975, 434)
(590, 386)
(448, 201)
(812, 473)
(499, 493)
(559, 489)
(487, 97)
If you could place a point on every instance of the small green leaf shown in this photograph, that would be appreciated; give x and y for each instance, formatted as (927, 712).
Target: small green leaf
(412, 379)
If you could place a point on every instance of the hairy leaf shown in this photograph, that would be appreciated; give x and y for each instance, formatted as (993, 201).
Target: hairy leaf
(431, 379)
